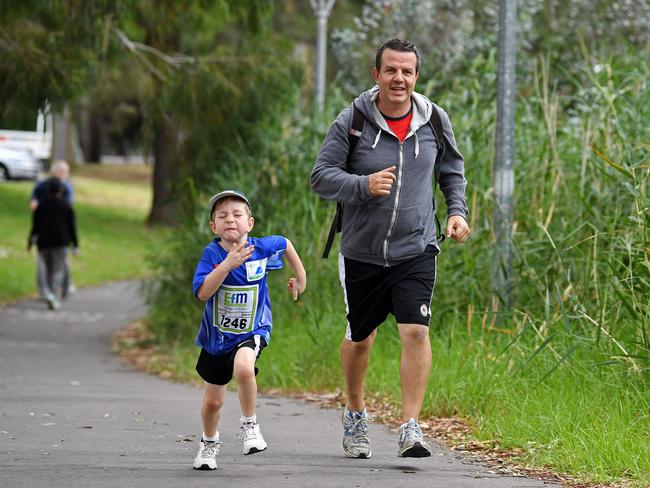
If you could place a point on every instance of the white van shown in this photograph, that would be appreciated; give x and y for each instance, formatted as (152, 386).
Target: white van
(18, 163)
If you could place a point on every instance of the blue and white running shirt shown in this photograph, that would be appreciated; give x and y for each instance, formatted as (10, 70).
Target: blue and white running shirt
(241, 307)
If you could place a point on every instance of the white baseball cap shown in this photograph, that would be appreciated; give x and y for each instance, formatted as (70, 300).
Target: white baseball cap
(227, 193)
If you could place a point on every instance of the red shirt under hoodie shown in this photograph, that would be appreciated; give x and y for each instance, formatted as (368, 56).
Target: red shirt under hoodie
(400, 125)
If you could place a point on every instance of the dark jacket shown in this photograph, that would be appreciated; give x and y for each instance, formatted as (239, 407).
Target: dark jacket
(388, 230)
(40, 191)
(53, 224)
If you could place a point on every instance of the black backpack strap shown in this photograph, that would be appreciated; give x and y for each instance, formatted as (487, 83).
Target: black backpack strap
(357, 121)
(354, 132)
(435, 121)
(334, 228)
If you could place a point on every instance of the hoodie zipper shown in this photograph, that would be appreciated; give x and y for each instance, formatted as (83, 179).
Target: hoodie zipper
(393, 218)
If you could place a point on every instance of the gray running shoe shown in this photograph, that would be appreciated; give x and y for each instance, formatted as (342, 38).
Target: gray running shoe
(411, 441)
(206, 458)
(355, 434)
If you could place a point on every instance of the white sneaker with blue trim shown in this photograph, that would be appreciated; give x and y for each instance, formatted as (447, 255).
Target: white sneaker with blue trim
(356, 443)
(411, 441)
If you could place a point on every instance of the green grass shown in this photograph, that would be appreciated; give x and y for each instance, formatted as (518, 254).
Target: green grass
(588, 420)
(114, 242)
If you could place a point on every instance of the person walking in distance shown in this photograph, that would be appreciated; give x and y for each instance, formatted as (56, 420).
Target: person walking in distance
(53, 231)
(389, 247)
(60, 169)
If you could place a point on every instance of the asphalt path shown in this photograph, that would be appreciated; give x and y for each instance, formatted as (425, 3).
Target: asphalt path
(72, 414)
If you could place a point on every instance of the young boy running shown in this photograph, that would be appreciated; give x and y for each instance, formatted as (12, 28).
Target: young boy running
(231, 279)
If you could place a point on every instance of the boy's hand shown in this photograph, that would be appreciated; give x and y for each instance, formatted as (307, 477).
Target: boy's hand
(238, 255)
(295, 288)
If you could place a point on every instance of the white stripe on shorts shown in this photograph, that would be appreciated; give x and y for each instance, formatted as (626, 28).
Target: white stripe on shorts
(256, 338)
(348, 332)
(435, 277)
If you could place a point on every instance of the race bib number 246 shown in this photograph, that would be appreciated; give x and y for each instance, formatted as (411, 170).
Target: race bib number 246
(235, 308)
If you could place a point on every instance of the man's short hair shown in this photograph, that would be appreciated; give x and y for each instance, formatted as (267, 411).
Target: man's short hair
(400, 45)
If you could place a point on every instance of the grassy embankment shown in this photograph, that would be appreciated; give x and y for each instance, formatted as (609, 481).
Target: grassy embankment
(111, 205)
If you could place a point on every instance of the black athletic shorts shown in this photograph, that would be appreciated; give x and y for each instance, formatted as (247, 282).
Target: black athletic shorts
(217, 370)
(372, 292)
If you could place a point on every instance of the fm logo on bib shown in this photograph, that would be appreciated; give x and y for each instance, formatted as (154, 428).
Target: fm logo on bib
(235, 308)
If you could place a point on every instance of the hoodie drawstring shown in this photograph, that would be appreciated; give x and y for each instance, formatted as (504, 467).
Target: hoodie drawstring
(417, 142)
(417, 145)
(377, 139)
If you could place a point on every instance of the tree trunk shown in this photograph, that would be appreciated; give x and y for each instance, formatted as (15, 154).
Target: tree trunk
(92, 147)
(165, 153)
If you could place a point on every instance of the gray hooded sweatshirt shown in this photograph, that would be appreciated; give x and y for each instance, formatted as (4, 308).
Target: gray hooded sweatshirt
(388, 230)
